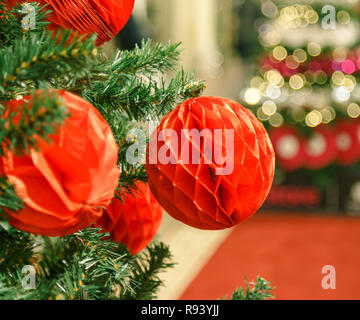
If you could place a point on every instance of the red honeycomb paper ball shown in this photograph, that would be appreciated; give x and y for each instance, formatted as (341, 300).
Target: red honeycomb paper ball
(65, 183)
(135, 221)
(196, 187)
(105, 17)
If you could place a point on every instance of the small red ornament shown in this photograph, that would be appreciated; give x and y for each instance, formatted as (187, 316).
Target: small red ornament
(320, 149)
(67, 183)
(289, 148)
(134, 222)
(217, 180)
(347, 141)
(106, 17)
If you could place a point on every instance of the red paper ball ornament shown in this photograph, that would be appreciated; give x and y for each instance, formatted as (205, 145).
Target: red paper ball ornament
(135, 221)
(210, 163)
(347, 141)
(105, 18)
(289, 148)
(67, 183)
(320, 148)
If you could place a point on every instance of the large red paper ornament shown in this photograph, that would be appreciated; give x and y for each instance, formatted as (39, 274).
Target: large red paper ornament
(347, 141)
(67, 183)
(320, 148)
(219, 179)
(105, 18)
(135, 221)
(289, 148)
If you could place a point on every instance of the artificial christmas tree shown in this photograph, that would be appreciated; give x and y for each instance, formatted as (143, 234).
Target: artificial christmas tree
(65, 116)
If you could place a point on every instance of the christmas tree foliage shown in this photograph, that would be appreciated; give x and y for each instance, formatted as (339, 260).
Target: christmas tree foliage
(127, 88)
(44, 72)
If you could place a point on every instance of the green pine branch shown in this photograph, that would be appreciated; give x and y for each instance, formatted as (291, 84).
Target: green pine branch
(21, 128)
(11, 27)
(82, 266)
(8, 198)
(258, 290)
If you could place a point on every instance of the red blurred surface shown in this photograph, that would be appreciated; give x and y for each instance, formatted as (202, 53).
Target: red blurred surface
(288, 250)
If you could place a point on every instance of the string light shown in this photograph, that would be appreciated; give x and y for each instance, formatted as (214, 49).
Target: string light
(274, 77)
(261, 115)
(340, 54)
(341, 94)
(350, 83)
(280, 53)
(252, 96)
(256, 82)
(297, 82)
(313, 118)
(276, 120)
(273, 92)
(288, 84)
(343, 17)
(269, 108)
(300, 55)
(338, 78)
(328, 115)
(353, 110)
(314, 49)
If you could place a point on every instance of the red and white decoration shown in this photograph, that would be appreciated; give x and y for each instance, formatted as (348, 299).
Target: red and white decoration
(289, 148)
(326, 145)
(320, 149)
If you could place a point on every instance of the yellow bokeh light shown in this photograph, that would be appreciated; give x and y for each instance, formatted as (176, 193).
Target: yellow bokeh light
(340, 54)
(314, 49)
(269, 108)
(338, 78)
(328, 114)
(276, 120)
(300, 55)
(311, 16)
(274, 77)
(280, 53)
(313, 118)
(296, 82)
(256, 82)
(261, 115)
(321, 77)
(343, 17)
(353, 110)
(350, 82)
(252, 96)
